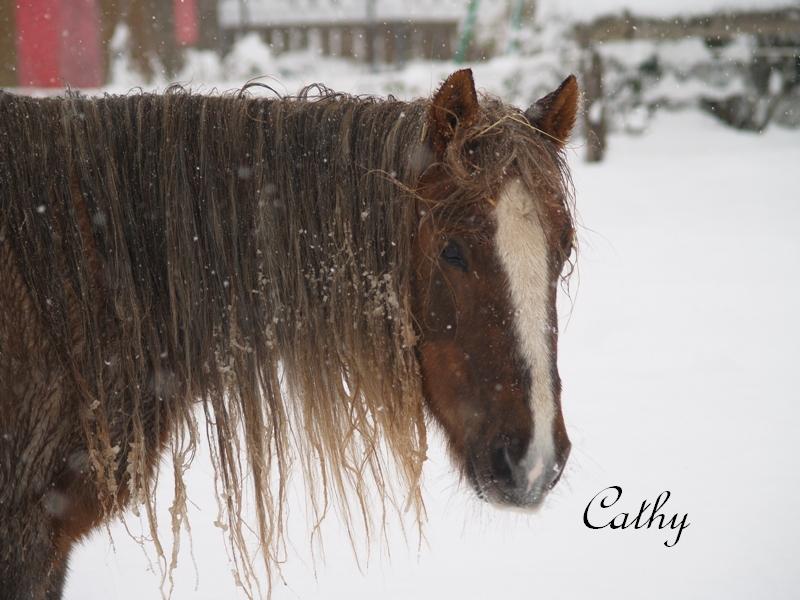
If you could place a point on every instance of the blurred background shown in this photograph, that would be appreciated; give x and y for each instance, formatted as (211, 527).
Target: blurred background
(680, 334)
(737, 59)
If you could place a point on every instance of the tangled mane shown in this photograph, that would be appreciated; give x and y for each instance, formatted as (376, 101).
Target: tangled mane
(250, 256)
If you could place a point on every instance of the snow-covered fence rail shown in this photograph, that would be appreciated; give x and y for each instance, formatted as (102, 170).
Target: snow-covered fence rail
(390, 42)
(365, 30)
(712, 26)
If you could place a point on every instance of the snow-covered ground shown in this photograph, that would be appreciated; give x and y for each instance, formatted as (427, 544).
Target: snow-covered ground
(680, 356)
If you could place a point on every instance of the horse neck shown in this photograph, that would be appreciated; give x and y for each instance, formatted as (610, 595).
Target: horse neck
(272, 223)
(258, 219)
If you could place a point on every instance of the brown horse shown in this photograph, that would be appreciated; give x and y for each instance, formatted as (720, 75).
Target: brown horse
(311, 272)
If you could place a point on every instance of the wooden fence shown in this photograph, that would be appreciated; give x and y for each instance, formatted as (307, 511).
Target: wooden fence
(714, 28)
(387, 42)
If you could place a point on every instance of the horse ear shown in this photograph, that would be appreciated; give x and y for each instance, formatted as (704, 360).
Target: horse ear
(555, 113)
(454, 105)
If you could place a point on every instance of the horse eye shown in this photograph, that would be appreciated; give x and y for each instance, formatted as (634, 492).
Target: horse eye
(453, 255)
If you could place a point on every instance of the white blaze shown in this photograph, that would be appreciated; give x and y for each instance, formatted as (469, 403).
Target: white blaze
(522, 247)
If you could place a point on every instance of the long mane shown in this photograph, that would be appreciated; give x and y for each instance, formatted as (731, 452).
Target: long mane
(249, 255)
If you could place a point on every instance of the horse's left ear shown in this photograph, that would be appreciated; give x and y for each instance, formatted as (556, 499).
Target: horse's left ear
(454, 105)
(555, 113)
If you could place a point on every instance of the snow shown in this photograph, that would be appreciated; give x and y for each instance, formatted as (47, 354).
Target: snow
(678, 53)
(670, 88)
(678, 355)
(586, 11)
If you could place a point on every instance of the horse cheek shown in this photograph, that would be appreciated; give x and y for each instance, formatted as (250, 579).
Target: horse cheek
(446, 385)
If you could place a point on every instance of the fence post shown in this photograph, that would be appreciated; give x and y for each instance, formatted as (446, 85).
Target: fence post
(594, 117)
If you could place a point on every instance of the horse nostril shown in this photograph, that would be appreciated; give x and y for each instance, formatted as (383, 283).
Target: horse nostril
(519, 473)
(500, 463)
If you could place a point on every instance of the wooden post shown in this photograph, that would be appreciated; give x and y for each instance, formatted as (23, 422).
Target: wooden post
(268, 37)
(389, 44)
(416, 41)
(594, 117)
(209, 25)
(152, 37)
(301, 38)
(325, 40)
(427, 41)
(370, 40)
(346, 46)
(111, 14)
(446, 43)
(401, 42)
(371, 36)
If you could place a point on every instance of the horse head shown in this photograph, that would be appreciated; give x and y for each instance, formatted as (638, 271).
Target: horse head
(494, 235)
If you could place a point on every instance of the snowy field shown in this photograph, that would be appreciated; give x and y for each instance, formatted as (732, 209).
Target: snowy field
(680, 357)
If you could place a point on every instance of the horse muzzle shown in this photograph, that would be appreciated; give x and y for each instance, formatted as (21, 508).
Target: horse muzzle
(508, 478)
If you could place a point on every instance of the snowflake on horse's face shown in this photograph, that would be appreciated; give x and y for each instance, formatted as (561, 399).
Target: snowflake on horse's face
(314, 270)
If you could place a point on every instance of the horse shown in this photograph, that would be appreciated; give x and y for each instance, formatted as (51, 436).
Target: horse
(317, 278)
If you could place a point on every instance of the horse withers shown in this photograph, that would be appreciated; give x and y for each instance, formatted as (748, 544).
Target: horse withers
(309, 272)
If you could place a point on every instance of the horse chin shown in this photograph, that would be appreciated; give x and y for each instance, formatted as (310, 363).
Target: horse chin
(510, 500)
(513, 502)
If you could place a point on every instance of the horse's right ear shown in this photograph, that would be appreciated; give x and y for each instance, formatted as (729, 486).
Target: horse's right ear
(454, 105)
(554, 115)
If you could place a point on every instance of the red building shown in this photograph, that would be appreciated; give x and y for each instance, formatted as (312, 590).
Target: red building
(62, 42)
(58, 43)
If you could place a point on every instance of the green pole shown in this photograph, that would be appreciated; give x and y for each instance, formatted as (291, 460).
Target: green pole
(466, 34)
(516, 24)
